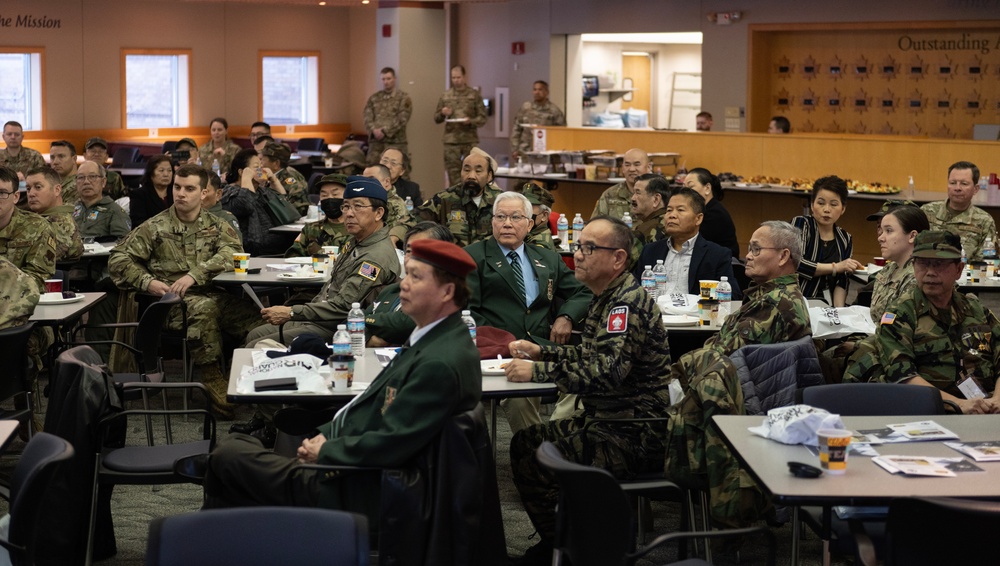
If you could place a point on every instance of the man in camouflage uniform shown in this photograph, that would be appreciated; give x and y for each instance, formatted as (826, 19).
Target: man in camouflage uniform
(15, 156)
(649, 204)
(18, 296)
(181, 250)
(45, 198)
(386, 114)
(96, 150)
(26, 239)
(258, 129)
(466, 208)
(619, 371)
(275, 156)
(538, 112)
(399, 220)
(958, 215)
(210, 201)
(62, 157)
(95, 213)
(462, 108)
(329, 231)
(936, 337)
(366, 264)
(541, 205)
(617, 199)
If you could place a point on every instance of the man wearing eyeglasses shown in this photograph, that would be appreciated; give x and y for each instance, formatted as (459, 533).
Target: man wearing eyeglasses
(516, 286)
(935, 336)
(620, 370)
(95, 213)
(399, 220)
(26, 239)
(398, 164)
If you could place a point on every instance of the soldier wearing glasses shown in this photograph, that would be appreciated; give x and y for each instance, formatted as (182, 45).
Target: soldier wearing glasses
(26, 239)
(95, 213)
(619, 370)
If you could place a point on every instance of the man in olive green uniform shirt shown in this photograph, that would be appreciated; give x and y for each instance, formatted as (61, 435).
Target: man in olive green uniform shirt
(15, 156)
(541, 205)
(331, 230)
(463, 111)
(617, 199)
(95, 213)
(210, 201)
(275, 156)
(62, 157)
(649, 205)
(537, 112)
(96, 150)
(366, 264)
(26, 239)
(958, 215)
(45, 198)
(399, 220)
(386, 114)
(467, 208)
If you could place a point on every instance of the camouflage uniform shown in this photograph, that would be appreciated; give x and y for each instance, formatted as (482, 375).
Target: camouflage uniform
(69, 193)
(360, 272)
(460, 137)
(207, 157)
(104, 218)
(531, 112)
(617, 373)
(890, 283)
(296, 188)
(916, 338)
(226, 215)
(69, 244)
(973, 225)
(614, 202)
(26, 160)
(772, 312)
(651, 229)
(28, 243)
(166, 249)
(398, 220)
(115, 186)
(391, 112)
(541, 236)
(18, 295)
(315, 235)
(458, 212)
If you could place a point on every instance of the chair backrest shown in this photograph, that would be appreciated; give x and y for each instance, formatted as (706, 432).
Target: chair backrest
(259, 535)
(932, 531)
(168, 146)
(312, 144)
(31, 478)
(13, 344)
(593, 526)
(770, 374)
(874, 399)
(148, 334)
(125, 156)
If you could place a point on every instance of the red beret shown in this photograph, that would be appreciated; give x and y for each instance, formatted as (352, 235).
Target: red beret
(443, 255)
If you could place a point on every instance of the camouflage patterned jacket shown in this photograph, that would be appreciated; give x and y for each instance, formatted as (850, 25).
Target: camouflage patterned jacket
(224, 214)
(468, 222)
(541, 236)
(391, 112)
(614, 202)
(205, 153)
(69, 244)
(26, 160)
(69, 193)
(973, 225)
(621, 367)
(398, 220)
(104, 218)
(464, 103)
(315, 235)
(531, 112)
(650, 230)
(772, 312)
(28, 243)
(115, 186)
(165, 249)
(296, 188)
(890, 283)
(18, 295)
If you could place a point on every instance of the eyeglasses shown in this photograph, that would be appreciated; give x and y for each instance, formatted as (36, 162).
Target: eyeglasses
(503, 218)
(755, 249)
(89, 178)
(932, 263)
(355, 207)
(588, 249)
(389, 163)
(4, 195)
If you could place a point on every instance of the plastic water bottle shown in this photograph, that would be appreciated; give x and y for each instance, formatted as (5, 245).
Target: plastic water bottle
(563, 226)
(409, 204)
(660, 276)
(341, 341)
(724, 293)
(649, 281)
(990, 256)
(356, 328)
(471, 323)
(216, 168)
(911, 191)
(577, 226)
(627, 219)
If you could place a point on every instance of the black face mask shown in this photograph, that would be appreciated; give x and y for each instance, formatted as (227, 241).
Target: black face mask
(471, 188)
(331, 207)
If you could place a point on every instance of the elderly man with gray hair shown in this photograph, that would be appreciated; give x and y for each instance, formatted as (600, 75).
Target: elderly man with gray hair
(773, 309)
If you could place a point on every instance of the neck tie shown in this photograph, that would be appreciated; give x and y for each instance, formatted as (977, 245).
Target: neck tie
(515, 264)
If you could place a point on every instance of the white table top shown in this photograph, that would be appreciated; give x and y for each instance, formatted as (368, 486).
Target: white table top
(56, 314)
(366, 370)
(865, 483)
(293, 228)
(265, 277)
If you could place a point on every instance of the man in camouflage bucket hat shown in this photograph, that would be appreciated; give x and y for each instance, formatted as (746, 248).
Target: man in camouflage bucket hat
(541, 205)
(275, 156)
(936, 337)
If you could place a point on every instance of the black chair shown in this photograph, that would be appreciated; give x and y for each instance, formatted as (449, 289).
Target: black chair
(168, 146)
(32, 473)
(125, 156)
(593, 526)
(933, 531)
(253, 536)
(312, 144)
(14, 380)
(313, 179)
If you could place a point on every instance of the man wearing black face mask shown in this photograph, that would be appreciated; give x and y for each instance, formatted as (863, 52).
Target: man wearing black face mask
(466, 208)
(329, 232)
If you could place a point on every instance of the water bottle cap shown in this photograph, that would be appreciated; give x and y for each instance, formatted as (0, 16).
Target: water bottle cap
(649, 267)
(659, 261)
(355, 305)
(724, 278)
(466, 313)
(341, 327)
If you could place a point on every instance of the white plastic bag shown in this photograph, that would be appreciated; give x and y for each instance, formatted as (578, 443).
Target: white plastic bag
(830, 322)
(796, 424)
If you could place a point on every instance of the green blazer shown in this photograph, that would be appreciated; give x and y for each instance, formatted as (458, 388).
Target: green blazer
(400, 413)
(496, 301)
(383, 318)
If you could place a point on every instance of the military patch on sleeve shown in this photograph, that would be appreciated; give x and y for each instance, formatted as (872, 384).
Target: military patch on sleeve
(369, 271)
(888, 318)
(456, 216)
(390, 396)
(618, 321)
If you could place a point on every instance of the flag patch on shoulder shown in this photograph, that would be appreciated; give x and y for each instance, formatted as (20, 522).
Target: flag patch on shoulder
(369, 271)
(888, 318)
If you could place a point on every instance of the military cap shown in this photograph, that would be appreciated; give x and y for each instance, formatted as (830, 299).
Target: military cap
(489, 158)
(889, 205)
(304, 344)
(443, 255)
(939, 244)
(95, 141)
(537, 195)
(358, 187)
(350, 154)
(332, 179)
(187, 141)
(278, 151)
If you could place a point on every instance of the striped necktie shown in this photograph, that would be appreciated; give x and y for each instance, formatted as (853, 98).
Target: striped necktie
(515, 264)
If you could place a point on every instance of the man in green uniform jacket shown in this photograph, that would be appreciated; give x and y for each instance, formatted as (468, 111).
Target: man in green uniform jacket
(401, 412)
(95, 213)
(386, 114)
(45, 199)
(958, 215)
(617, 199)
(331, 230)
(26, 239)
(15, 156)
(463, 111)
(466, 208)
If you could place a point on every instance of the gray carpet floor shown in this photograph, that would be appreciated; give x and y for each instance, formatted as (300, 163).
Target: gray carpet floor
(134, 507)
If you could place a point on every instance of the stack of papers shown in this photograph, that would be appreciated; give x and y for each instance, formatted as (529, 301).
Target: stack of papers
(986, 451)
(925, 466)
(907, 432)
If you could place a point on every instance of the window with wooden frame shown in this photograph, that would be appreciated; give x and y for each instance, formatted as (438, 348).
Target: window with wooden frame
(156, 88)
(288, 87)
(21, 86)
